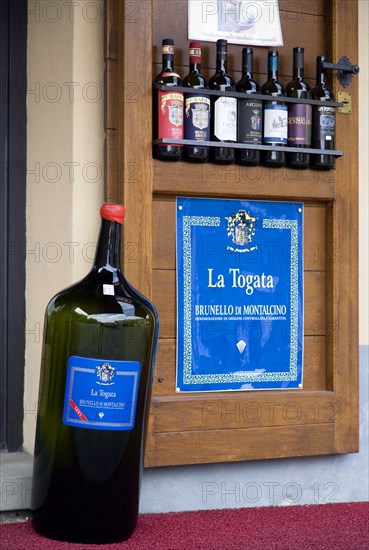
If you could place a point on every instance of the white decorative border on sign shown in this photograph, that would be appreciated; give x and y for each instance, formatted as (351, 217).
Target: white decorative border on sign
(188, 376)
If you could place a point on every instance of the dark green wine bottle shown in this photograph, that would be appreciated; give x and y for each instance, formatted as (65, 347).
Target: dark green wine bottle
(196, 109)
(167, 107)
(249, 111)
(97, 368)
(275, 116)
(223, 125)
(324, 119)
(299, 114)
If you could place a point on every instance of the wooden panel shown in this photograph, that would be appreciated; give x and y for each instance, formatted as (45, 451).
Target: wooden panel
(314, 7)
(111, 94)
(111, 29)
(297, 20)
(237, 411)
(134, 139)
(240, 444)
(181, 178)
(148, 188)
(111, 183)
(343, 272)
(314, 360)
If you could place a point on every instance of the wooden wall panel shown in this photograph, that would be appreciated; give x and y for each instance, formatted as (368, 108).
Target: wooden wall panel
(239, 181)
(328, 402)
(303, 24)
(232, 445)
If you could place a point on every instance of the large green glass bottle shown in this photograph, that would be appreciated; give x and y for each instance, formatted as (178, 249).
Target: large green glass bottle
(97, 368)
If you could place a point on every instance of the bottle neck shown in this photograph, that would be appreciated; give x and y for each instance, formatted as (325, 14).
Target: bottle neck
(108, 250)
(168, 63)
(298, 73)
(273, 68)
(247, 65)
(321, 77)
(298, 63)
(246, 72)
(272, 74)
(221, 62)
(195, 67)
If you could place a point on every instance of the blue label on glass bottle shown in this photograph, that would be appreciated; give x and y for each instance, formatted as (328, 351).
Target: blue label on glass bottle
(275, 123)
(101, 394)
(197, 117)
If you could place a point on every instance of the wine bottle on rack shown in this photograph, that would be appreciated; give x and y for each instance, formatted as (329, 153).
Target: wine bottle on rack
(249, 112)
(97, 368)
(275, 115)
(223, 108)
(196, 108)
(167, 107)
(299, 114)
(324, 119)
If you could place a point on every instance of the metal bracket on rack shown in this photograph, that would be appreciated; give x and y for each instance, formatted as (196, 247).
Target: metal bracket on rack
(345, 70)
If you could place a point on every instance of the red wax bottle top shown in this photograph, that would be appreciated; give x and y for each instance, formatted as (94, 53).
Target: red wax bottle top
(113, 212)
(195, 52)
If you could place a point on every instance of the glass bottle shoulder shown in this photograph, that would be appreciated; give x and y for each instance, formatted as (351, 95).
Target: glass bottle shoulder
(272, 87)
(195, 80)
(322, 92)
(222, 82)
(248, 85)
(298, 88)
(170, 78)
(93, 301)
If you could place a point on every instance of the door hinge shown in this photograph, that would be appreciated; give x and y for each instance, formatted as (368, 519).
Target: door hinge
(346, 99)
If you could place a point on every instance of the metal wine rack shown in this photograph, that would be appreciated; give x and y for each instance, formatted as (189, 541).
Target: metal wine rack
(236, 145)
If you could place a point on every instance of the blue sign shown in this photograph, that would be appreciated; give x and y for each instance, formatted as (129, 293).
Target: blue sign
(239, 295)
(101, 394)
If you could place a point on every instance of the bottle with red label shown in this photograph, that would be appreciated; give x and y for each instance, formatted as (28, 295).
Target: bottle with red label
(96, 372)
(299, 114)
(167, 107)
(196, 108)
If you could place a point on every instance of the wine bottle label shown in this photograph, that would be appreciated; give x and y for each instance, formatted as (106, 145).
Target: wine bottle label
(225, 118)
(299, 124)
(167, 49)
(101, 394)
(250, 121)
(275, 123)
(197, 117)
(324, 122)
(170, 115)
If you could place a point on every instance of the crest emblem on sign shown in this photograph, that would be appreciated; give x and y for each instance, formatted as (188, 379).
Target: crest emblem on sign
(241, 228)
(105, 373)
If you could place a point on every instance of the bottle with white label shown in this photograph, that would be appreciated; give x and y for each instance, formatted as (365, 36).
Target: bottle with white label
(249, 112)
(223, 108)
(324, 119)
(96, 372)
(275, 115)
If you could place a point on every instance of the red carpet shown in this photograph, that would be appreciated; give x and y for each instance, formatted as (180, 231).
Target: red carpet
(318, 527)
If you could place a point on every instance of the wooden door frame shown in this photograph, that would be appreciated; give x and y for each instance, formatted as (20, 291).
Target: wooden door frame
(132, 179)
